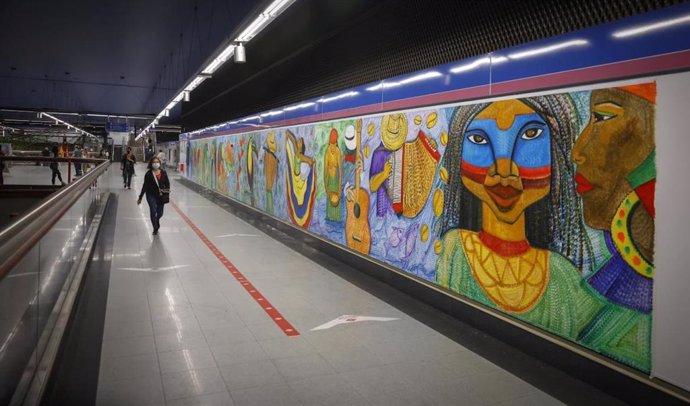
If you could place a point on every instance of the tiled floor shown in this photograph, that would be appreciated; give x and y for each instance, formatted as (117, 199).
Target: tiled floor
(180, 330)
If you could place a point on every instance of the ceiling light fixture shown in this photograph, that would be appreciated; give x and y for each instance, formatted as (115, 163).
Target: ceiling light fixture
(68, 125)
(235, 47)
(240, 54)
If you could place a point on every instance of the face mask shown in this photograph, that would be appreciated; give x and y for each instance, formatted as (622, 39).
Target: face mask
(156, 165)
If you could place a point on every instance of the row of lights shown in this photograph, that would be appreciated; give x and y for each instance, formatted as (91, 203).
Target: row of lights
(69, 126)
(236, 48)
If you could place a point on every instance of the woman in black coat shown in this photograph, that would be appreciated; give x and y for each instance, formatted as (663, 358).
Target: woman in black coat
(157, 190)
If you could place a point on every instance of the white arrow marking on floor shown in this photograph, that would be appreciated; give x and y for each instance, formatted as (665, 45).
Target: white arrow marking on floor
(237, 235)
(346, 319)
(164, 268)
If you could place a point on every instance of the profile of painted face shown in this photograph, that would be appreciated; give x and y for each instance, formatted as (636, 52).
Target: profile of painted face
(506, 158)
(617, 139)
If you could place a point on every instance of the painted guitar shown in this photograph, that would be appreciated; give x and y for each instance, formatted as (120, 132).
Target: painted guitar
(357, 232)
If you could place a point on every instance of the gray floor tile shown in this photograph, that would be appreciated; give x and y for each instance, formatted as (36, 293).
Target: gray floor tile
(140, 391)
(185, 384)
(286, 347)
(182, 340)
(296, 368)
(127, 328)
(224, 334)
(278, 395)
(251, 374)
(238, 353)
(536, 398)
(129, 367)
(122, 347)
(324, 390)
(351, 357)
(497, 386)
(215, 399)
(266, 330)
(184, 360)
(371, 381)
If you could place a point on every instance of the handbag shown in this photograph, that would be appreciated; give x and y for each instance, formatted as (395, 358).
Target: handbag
(164, 193)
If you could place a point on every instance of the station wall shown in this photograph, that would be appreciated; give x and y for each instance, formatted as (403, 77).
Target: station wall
(538, 205)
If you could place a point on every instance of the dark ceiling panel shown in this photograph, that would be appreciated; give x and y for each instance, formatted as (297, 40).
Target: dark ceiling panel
(118, 56)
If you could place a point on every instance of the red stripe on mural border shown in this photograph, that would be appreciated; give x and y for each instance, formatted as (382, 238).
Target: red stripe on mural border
(260, 299)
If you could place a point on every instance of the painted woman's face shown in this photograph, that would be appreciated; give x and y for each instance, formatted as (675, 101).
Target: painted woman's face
(618, 138)
(506, 158)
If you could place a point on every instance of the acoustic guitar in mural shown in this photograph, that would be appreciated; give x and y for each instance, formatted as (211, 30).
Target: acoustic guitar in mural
(357, 232)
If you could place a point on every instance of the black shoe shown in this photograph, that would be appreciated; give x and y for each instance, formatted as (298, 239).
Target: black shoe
(155, 232)
(129, 187)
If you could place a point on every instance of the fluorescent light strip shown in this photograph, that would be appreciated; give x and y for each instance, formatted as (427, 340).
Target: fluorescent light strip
(412, 79)
(479, 62)
(337, 97)
(299, 106)
(548, 49)
(69, 126)
(643, 29)
(260, 22)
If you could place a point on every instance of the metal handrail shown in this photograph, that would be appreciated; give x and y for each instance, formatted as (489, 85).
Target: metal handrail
(30, 158)
(17, 239)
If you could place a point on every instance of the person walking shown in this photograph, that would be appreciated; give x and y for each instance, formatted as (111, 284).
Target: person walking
(77, 165)
(55, 167)
(156, 187)
(128, 161)
(2, 168)
(162, 158)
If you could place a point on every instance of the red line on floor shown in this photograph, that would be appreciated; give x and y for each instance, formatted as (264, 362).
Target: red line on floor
(260, 299)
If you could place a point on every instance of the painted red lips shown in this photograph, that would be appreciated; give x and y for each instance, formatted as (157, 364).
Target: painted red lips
(583, 185)
(505, 197)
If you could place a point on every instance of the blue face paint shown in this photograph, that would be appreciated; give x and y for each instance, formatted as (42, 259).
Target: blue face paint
(527, 142)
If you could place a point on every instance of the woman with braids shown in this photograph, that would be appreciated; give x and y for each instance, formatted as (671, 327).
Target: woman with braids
(513, 236)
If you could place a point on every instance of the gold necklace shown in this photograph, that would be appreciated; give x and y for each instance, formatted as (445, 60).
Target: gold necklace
(514, 283)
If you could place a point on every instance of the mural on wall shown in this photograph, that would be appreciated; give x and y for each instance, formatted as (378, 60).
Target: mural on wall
(540, 207)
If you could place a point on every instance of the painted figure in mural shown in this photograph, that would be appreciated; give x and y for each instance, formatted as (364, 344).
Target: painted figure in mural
(509, 202)
(300, 180)
(270, 168)
(357, 230)
(401, 173)
(252, 154)
(333, 177)
(350, 154)
(616, 176)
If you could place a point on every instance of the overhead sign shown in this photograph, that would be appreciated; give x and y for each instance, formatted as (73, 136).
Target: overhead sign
(117, 127)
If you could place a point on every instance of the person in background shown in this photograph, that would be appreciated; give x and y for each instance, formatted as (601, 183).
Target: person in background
(156, 183)
(128, 161)
(77, 165)
(2, 167)
(55, 167)
(161, 157)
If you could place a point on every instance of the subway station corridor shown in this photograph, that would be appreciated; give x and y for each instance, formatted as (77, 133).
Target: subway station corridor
(180, 329)
(391, 202)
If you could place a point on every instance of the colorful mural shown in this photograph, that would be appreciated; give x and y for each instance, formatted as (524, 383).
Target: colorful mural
(540, 207)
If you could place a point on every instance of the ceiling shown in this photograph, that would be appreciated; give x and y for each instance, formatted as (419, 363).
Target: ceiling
(118, 57)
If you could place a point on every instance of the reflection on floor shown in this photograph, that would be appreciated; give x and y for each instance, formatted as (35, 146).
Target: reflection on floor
(181, 329)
